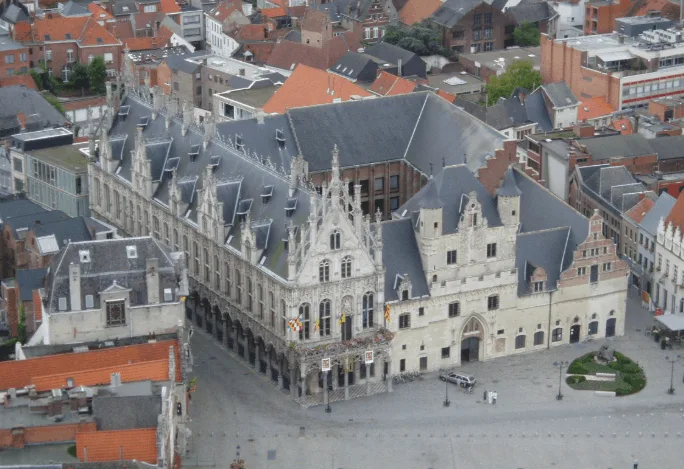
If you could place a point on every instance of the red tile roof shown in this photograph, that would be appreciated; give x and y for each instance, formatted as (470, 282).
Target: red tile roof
(121, 29)
(169, 6)
(274, 12)
(286, 54)
(623, 125)
(676, 216)
(308, 86)
(314, 20)
(20, 373)
(387, 84)
(639, 211)
(593, 107)
(84, 103)
(144, 43)
(139, 444)
(84, 30)
(250, 32)
(446, 95)
(223, 11)
(19, 80)
(99, 13)
(415, 11)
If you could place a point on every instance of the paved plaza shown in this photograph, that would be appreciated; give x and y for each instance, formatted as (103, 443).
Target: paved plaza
(410, 428)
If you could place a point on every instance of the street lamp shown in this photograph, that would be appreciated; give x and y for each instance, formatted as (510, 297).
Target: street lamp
(672, 361)
(447, 402)
(327, 404)
(560, 366)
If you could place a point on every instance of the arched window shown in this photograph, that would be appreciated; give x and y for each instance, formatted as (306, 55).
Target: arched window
(305, 318)
(271, 302)
(167, 240)
(324, 271)
(520, 341)
(593, 327)
(155, 227)
(283, 316)
(335, 238)
(260, 299)
(473, 325)
(368, 307)
(207, 272)
(539, 338)
(250, 297)
(227, 286)
(176, 247)
(238, 287)
(324, 310)
(196, 253)
(217, 273)
(346, 267)
(186, 249)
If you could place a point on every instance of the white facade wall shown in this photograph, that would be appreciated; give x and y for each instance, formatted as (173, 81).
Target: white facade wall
(569, 16)
(669, 270)
(217, 41)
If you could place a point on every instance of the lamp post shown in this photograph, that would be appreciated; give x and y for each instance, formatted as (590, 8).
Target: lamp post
(560, 366)
(672, 361)
(447, 402)
(327, 393)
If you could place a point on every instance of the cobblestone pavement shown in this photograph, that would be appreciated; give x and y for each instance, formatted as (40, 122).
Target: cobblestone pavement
(410, 428)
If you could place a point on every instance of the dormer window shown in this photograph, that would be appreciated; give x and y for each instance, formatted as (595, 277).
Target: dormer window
(280, 138)
(239, 143)
(214, 162)
(244, 206)
(143, 121)
(193, 152)
(84, 256)
(132, 252)
(404, 295)
(290, 206)
(266, 193)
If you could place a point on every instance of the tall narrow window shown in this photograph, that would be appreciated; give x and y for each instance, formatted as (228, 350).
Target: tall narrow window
(196, 252)
(283, 316)
(305, 318)
(227, 286)
(368, 309)
(346, 267)
(260, 299)
(335, 238)
(238, 287)
(207, 270)
(250, 298)
(324, 271)
(116, 313)
(217, 272)
(324, 311)
(271, 302)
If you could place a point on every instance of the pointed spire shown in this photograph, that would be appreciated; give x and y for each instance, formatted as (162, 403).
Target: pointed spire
(335, 167)
(509, 188)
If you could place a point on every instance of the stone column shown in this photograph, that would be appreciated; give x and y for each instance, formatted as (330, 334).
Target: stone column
(346, 383)
(245, 349)
(280, 373)
(235, 339)
(225, 334)
(368, 380)
(326, 396)
(293, 382)
(257, 365)
(357, 371)
(389, 375)
(335, 372)
(305, 385)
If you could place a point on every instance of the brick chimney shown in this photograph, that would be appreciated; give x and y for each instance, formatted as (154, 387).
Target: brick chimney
(583, 130)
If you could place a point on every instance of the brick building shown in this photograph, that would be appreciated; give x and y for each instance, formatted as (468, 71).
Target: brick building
(474, 26)
(13, 56)
(21, 294)
(600, 15)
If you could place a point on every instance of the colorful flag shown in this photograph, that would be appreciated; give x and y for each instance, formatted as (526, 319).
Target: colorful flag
(318, 324)
(342, 319)
(387, 312)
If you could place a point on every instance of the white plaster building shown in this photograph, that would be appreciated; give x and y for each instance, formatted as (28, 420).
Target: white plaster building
(103, 290)
(669, 263)
(288, 276)
(570, 22)
(648, 232)
(217, 21)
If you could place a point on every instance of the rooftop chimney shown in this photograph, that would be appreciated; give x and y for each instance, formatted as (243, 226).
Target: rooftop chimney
(115, 380)
(188, 111)
(75, 286)
(241, 72)
(152, 280)
(399, 67)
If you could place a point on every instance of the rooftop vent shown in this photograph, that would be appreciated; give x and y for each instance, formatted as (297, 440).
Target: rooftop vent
(123, 111)
(143, 121)
(194, 152)
(290, 206)
(84, 256)
(171, 164)
(280, 138)
(80, 349)
(244, 206)
(214, 162)
(132, 252)
(239, 143)
(266, 193)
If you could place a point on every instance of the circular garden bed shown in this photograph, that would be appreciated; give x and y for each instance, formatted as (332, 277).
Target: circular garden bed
(629, 376)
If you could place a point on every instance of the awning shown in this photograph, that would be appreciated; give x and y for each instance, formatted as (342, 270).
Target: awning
(615, 56)
(674, 322)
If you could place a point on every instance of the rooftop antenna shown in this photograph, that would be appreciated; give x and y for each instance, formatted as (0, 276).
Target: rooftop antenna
(443, 162)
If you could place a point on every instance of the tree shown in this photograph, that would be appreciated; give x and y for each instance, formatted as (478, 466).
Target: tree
(526, 34)
(423, 38)
(520, 74)
(21, 329)
(80, 78)
(97, 73)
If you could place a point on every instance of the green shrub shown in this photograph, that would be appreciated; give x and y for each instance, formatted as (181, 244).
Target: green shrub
(623, 390)
(575, 379)
(588, 358)
(577, 368)
(630, 368)
(636, 382)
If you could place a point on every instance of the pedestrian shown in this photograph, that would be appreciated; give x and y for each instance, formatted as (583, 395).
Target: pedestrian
(495, 395)
(636, 464)
(484, 397)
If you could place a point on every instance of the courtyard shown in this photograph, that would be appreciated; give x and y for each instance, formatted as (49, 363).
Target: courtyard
(410, 428)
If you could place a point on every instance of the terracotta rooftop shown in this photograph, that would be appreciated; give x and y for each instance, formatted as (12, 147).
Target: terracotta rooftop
(415, 11)
(287, 54)
(20, 373)
(639, 211)
(314, 20)
(222, 11)
(624, 126)
(446, 95)
(121, 29)
(308, 86)
(387, 84)
(145, 43)
(593, 107)
(84, 103)
(21, 80)
(169, 6)
(676, 216)
(251, 32)
(274, 12)
(99, 13)
(139, 445)
(83, 30)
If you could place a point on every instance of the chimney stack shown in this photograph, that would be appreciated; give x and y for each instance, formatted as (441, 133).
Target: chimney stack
(75, 286)
(399, 67)
(171, 110)
(157, 101)
(209, 130)
(187, 116)
(152, 280)
(115, 380)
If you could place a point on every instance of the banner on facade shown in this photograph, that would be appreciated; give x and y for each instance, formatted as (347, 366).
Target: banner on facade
(645, 297)
(317, 325)
(369, 357)
(659, 312)
(387, 312)
(325, 364)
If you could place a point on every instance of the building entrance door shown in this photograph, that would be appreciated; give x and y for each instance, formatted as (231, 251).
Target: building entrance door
(470, 349)
(610, 327)
(575, 334)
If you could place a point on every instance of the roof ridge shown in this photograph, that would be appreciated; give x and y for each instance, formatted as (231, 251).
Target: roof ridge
(545, 230)
(408, 145)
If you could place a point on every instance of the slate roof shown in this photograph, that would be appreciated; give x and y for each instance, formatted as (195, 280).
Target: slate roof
(126, 7)
(537, 112)
(21, 100)
(615, 185)
(560, 95)
(509, 187)
(72, 8)
(352, 64)
(425, 130)
(126, 412)
(389, 53)
(15, 13)
(336, 9)
(178, 62)
(109, 265)
(19, 207)
(234, 165)
(449, 190)
(531, 11)
(602, 148)
(661, 209)
(29, 280)
(452, 11)
(68, 230)
(540, 249)
(508, 112)
(29, 221)
(401, 256)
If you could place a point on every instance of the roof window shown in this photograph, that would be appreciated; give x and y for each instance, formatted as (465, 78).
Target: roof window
(132, 252)
(280, 138)
(84, 256)
(214, 162)
(194, 152)
(144, 120)
(123, 110)
(239, 143)
(290, 206)
(266, 193)
(244, 206)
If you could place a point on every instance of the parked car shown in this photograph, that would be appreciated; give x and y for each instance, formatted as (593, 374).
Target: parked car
(464, 381)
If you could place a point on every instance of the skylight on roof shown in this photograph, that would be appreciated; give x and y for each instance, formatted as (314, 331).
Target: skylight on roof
(132, 252)
(144, 120)
(67, 36)
(47, 37)
(244, 206)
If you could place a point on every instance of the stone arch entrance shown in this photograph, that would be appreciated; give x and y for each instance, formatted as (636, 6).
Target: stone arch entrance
(217, 318)
(191, 303)
(575, 331)
(472, 343)
(610, 327)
